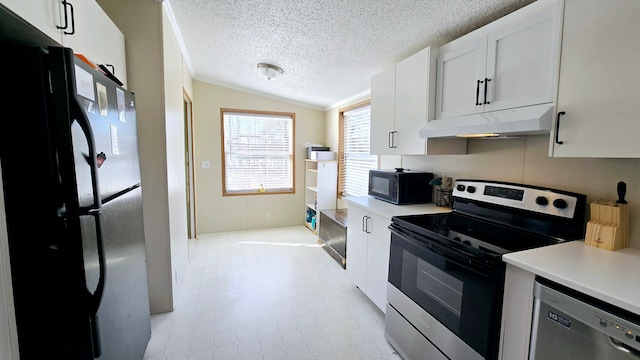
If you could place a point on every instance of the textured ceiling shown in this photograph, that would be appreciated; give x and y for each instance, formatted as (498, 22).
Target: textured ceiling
(329, 49)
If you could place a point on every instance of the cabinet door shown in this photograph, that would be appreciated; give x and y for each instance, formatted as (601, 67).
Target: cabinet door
(378, 260)
(383, 92)
(521, 63)
(598, 85)
(45, 15)
(97, 37)
(357, 247)
(411, 102)
(327, 182)
(458, 74)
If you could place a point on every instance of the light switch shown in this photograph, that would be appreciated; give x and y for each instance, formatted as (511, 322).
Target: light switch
(206, 164)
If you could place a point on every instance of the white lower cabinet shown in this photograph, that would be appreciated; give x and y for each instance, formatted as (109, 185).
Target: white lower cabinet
(368, 242)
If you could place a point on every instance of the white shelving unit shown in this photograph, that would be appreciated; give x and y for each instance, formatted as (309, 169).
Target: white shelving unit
(321, 184)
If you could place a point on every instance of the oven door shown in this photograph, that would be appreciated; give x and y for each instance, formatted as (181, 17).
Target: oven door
(451, 297)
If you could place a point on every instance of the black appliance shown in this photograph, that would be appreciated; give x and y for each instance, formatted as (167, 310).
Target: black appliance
(400, 186)
(446, 274)
(73, 202)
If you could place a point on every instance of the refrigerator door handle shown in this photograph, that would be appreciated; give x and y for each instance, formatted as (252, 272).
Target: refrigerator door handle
(96, 297)
(95, 210)
(84, 211)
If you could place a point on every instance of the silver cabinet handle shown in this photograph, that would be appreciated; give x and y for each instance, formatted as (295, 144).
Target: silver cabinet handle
(365, 224)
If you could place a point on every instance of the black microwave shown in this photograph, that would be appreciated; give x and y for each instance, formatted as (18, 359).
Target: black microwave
(400, 186)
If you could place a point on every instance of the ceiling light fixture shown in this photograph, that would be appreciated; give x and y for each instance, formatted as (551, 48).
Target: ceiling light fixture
(270, 71)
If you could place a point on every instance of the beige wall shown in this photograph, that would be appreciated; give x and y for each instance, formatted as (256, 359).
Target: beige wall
(217, 213)
(157, 75)
(175, 79)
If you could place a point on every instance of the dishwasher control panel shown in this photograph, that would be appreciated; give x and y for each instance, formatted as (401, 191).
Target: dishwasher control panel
(618, 328)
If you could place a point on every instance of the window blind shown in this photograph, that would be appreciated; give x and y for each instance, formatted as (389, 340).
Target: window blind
(356, 159)
(258, 152)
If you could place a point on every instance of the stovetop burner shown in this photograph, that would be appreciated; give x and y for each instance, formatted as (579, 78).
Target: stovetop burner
(495, 218)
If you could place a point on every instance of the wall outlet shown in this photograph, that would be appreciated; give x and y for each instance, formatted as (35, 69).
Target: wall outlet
(267, 217)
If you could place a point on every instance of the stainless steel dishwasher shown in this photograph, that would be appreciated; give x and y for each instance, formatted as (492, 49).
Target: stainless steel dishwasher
(572, 325)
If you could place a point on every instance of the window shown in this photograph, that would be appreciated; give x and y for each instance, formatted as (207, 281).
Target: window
(355, 161)
(257, 153)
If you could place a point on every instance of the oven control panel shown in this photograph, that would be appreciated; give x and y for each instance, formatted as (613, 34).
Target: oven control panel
(523, 197)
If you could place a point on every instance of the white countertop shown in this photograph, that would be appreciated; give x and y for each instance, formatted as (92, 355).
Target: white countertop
(388, 210)
(611, 276)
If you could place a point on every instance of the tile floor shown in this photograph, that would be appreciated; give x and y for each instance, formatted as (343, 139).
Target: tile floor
(267, 295)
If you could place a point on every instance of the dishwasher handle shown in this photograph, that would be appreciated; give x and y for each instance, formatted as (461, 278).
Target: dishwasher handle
(622, 347)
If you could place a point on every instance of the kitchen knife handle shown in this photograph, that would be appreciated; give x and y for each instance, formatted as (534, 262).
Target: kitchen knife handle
(558, 127)
(622, 191)
(486, 83)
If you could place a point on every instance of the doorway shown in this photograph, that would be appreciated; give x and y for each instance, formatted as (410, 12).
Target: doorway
(189, 166)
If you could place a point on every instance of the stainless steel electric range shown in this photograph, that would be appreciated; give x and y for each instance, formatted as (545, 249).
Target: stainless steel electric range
(446, 274)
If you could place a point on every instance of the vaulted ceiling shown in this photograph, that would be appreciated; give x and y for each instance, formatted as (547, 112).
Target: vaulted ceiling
(329, 49)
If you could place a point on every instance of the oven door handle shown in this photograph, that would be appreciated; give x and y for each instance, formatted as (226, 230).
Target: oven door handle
(455, 255)
(425, 242)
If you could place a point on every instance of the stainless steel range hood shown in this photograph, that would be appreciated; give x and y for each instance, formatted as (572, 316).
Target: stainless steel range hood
(530, 120)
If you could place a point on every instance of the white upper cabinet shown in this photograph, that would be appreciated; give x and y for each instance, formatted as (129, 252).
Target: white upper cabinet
(46, 15)
(458, 84)
(81, 25)
(402, 101)
(508, 64)
(97, 37)
(383, 102)
(599, 83)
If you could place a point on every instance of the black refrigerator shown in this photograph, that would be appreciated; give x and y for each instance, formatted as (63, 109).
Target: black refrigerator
(73, 204)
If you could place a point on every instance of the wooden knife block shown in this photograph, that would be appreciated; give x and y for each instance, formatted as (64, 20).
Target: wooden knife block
(609, 225)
